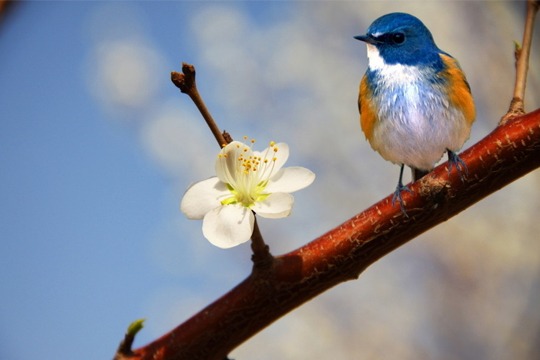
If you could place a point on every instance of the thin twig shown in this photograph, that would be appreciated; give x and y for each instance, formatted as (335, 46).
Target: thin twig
(517, 105)
(185, 81)
(124, 349)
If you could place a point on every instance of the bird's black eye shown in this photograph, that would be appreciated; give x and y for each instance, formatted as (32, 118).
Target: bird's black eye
(398, 38)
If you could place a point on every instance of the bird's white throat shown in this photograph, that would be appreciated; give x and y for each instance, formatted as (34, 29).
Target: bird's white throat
(391, 73)
(375, 59)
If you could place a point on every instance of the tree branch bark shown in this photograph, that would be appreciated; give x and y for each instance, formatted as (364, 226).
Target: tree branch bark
(509, 152)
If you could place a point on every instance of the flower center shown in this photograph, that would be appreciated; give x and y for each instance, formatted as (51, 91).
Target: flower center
(249, 173)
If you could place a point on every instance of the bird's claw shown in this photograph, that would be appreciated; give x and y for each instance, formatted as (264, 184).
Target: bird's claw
(397, 196)
(455, 161)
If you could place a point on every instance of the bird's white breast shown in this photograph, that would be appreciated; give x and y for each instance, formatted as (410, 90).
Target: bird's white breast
(416, 123)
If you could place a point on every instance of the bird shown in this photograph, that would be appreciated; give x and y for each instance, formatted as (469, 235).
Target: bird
(414, 100)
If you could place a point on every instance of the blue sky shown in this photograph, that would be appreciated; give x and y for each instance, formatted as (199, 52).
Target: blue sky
(97, 148)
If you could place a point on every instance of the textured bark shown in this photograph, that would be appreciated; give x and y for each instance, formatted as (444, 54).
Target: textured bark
(509, 152)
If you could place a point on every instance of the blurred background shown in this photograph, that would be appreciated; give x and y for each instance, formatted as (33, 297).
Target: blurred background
(97, 147)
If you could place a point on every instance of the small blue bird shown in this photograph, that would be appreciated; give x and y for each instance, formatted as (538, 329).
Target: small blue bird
(415, 103)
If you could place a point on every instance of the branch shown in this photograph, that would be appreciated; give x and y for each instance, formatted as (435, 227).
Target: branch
(509, 152)
(185, 81)
(517, 105)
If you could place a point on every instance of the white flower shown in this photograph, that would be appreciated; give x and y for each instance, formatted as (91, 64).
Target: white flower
(247, 181)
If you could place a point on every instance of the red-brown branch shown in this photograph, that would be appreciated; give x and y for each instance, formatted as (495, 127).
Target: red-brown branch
(505, 155)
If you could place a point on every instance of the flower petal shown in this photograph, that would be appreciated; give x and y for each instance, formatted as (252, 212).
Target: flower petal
(268, 155)
(202, 197)
(227, 161)
(228, 226)
(275, 206)
(290, 179)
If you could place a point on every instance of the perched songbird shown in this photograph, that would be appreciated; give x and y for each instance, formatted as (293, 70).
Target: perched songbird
(415, 103)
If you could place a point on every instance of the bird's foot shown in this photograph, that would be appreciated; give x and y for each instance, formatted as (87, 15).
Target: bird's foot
(397, 196)
(455, 161)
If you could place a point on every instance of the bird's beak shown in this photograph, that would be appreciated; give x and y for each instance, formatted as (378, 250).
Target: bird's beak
(367, 39)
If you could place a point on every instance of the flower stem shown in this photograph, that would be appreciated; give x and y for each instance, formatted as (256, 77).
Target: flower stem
(262, 258)
(186, 83)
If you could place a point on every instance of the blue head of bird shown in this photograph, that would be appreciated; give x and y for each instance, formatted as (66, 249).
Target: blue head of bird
(401, 38)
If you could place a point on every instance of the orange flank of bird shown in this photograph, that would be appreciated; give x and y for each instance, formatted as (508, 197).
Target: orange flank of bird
(459, 92)
(367, 112)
